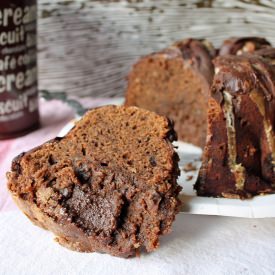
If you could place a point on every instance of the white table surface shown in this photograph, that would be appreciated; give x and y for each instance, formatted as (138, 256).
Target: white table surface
(197, 245)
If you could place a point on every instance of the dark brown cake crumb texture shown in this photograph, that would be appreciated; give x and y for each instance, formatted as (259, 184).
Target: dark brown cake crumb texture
(108, 186)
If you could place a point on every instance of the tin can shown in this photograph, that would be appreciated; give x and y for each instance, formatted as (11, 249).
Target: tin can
(19, 112)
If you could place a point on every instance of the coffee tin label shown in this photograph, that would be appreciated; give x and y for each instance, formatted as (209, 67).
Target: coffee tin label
(18, 65)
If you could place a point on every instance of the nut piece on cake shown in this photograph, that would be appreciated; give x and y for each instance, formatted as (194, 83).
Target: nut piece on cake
(239, 157)
(110, 185)
(241, 45)
(175, 82)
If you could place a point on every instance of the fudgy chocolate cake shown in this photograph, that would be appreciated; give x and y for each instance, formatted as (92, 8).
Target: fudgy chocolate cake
(175, 82)
(110, 185)
(239, 157)
(240, 45)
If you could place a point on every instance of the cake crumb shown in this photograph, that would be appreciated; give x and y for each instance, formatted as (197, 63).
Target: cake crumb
(189, 167)
(86, 201)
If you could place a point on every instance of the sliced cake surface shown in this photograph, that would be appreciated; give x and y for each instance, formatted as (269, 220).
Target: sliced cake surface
(241, 45)
(175, 82)
(110, 185)
(239, 157)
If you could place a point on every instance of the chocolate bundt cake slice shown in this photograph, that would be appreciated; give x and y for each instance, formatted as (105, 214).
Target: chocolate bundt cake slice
(241, 45)
(239, 157)
(175, 82)
(110, 185)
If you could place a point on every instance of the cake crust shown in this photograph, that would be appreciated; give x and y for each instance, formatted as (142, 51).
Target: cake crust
(243, 45)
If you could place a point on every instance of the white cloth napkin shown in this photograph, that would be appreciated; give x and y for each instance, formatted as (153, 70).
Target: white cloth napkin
(197, 245)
